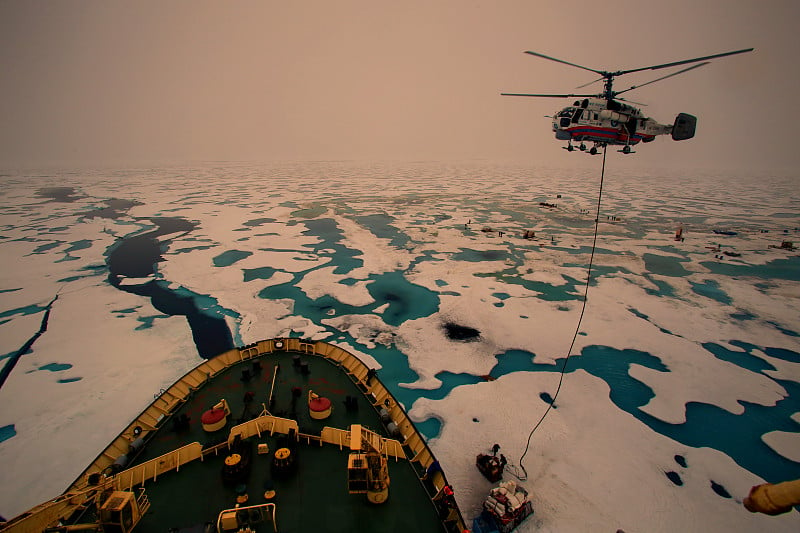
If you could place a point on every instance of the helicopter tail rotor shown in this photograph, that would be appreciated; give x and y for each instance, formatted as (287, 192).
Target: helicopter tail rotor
(684, 128)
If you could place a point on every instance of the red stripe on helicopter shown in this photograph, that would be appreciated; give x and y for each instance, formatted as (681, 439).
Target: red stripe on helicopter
(608, 133)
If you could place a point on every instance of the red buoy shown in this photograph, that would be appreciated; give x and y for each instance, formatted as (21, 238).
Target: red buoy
(213, 419)
(319, 404)
(319, 407)
(212, 416)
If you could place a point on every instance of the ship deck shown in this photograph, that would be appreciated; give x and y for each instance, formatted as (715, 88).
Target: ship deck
(315, 496)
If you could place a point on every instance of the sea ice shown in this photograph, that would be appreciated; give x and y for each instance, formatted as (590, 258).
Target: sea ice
(269, 253)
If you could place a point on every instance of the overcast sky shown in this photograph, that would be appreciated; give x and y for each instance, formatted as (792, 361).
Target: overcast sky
(104, 82)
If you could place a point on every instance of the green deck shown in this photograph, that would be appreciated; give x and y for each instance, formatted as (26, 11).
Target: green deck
(315, 498)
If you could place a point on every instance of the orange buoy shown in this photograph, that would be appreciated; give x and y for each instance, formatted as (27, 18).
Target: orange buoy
(233, 459)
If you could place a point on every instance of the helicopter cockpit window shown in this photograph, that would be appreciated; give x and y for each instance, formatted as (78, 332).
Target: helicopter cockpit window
(567, 112)
(577, 116)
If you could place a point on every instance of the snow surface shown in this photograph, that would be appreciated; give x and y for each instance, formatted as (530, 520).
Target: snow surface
(593, 465)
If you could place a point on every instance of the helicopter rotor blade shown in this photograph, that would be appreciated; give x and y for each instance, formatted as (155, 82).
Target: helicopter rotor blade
(631, 101)
(662, 78)
(550, 95)
(591, 82)
(683, 62)
(537, 54)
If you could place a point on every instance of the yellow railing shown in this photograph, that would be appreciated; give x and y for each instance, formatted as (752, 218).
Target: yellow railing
(153, 468)
(42, 516)
(337, 437)
(263, 424)
(228, 519)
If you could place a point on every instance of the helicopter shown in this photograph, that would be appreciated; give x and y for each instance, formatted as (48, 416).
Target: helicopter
(606, 119)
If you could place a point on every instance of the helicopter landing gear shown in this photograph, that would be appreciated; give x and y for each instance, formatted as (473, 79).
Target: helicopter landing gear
(594, 150)
(626, 149)
(582, 147)
(569, 147)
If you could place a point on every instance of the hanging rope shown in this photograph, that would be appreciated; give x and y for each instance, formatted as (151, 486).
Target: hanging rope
(577, 329)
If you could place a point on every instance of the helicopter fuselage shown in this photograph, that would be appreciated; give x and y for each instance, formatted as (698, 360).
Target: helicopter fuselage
(606, 122)
(604, 119)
